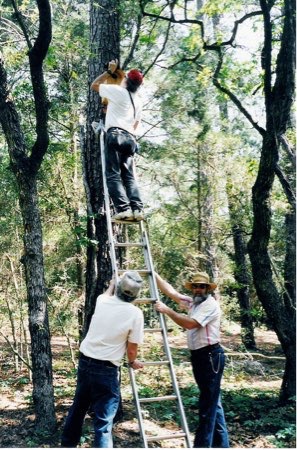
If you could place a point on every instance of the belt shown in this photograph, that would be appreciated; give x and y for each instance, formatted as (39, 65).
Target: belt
(208, 348)
(99, 362)
(121, 129)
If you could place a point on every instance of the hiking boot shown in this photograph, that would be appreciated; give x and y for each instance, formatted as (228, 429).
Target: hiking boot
(138, 215)
(124, 215)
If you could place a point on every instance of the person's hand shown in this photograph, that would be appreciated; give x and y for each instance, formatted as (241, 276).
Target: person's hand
(161, 307)
(112, 65)
(136, 365)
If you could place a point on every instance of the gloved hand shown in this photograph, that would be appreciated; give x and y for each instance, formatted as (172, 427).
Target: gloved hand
(112, 65)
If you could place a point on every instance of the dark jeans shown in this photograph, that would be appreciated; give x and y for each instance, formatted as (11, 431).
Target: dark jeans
(121, 183)
(98, 388)
(208, 366)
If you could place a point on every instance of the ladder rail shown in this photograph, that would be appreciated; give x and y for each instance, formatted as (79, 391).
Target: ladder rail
(166, 343)
(144, 242)
(107, 207)
(138, 407)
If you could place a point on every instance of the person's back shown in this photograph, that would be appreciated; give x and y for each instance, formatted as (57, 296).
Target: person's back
(116, 328)
(120, 112)
(121, 125)
(113, 323)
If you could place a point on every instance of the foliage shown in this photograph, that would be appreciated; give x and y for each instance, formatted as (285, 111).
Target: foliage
(193, 137)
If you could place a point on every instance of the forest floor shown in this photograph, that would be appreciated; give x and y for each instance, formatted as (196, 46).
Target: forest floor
(250, 396)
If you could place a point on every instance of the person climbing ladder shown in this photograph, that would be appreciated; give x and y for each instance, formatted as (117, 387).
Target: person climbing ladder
(122, 120)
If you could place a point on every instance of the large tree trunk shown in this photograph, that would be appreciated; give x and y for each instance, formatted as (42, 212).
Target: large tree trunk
(104, 46)
(43, 393)
(26, 169)
(280, 310)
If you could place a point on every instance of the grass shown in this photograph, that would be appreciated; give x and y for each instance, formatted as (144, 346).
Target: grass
(254, 416)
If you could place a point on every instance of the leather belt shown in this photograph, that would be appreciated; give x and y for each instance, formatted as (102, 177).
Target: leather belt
(208, 348)
(97, 361)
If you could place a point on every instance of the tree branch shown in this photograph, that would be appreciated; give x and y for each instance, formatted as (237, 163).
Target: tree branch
(230, 41)
(161, 51)
(232, 96)
(135, 40)
(10, 122)
(266, 57)
(193, 59)
(172, 18)
(290, 151)
(283, 91)
(15, 351)
(286, 186)
(21, 23)
(37, 55)
(213, 46)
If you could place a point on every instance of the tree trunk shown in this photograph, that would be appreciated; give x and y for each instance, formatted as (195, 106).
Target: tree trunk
(290, 262)
(278, 106)
(43, 393)
(243, 289)
(241, 274)
(26, 169)
(281, 317)
(104, 46)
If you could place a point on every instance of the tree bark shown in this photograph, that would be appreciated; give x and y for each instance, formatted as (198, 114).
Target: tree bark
(279, 100)
(26, 167)
(43, 393)
(104, 46)
(241, 273)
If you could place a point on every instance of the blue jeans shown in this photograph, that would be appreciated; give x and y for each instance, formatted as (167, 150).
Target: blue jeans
(208, 366)
(121, 183)
(98, 388)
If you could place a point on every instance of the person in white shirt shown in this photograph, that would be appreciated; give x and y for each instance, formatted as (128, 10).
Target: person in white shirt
(122, 121)
(116, 328)
(207, 356)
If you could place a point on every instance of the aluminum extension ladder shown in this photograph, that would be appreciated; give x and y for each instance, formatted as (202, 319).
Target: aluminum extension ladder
(148, 271)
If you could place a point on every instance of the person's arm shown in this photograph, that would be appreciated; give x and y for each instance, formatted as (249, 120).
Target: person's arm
(136, 124)
(112, 67)
(181, 319)
(167, 289)
(110, 289)
(132, 354)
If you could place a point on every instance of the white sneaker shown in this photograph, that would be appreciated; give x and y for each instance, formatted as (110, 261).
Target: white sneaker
(138, 215)
(124, 215)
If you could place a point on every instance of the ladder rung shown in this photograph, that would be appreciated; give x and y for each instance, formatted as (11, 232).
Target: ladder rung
(157, 399)
(140, 271)
(128, 244)
(155, 363)
(152, 330)
(145, 300)
(163, 437)
(126, 222)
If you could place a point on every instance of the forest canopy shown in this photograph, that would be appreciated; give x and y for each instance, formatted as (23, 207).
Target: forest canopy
(216, 165)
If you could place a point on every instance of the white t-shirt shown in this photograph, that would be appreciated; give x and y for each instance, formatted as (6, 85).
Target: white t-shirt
(120, 111)
(208, 315)
(113, 324)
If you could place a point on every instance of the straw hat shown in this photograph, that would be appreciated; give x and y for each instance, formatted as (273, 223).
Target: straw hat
(200, 277)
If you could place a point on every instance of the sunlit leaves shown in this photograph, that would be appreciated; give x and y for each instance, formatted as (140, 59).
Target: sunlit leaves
(217, 7)
(204, 76)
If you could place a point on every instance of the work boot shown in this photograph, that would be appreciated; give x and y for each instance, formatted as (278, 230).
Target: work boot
(124, 215)
(138, 215)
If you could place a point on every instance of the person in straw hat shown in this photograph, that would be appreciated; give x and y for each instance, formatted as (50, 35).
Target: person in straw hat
(207, 356)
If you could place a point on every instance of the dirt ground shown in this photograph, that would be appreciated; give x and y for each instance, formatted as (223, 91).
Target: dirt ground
(17, 418)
